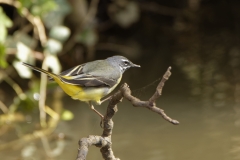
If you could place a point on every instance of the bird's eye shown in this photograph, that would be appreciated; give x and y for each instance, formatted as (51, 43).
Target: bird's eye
(126, 63)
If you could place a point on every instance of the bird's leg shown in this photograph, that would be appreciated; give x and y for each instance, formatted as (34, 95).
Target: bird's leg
(92, 107)
(104, 100)
(102, 117)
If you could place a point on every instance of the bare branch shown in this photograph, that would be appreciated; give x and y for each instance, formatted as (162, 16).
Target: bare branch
(37, 55)
(158, 92)
(104, 141)
(151, 105)
(3, 107)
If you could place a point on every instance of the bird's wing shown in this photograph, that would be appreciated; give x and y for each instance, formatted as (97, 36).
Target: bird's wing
(73, 71)
(77, 76)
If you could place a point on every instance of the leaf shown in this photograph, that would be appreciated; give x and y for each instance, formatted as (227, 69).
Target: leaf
(3, 33)
(53, 46)
(25, 3)
(26, 39)
(26, 105)
(29, 150)
(53, 63)
(23, 71)
(5, 22)
(3, 62)
(88, 37)
(60, 33)
(18, 36)
(24, 53)
(125, 16)
(56, 16)
(67, 115)
(41, 8)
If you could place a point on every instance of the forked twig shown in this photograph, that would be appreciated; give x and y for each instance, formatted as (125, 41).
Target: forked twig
(104, 141)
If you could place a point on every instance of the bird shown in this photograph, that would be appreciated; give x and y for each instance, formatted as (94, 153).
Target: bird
(91, 81)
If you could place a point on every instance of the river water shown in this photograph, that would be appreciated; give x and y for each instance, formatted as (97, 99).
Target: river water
(204, 132)
(207, 130)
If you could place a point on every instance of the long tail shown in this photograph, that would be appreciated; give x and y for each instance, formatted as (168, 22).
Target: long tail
(52, 75)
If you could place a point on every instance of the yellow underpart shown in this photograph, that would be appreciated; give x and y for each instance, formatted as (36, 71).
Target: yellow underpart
(76, 91)
(81, 93)
(67, 77)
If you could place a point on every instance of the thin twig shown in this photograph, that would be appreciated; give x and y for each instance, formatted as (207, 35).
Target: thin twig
(43, 89)
(104, 141)
(37, 55)
(3, 107)
(150, 104)
(20, 94)
(158, 92)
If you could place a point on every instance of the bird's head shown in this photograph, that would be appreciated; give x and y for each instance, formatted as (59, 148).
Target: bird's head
(122, 62)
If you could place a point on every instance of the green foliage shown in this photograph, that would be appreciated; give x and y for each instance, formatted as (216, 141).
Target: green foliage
(35, 85)
(22, 37)
(25, 45)
(53, 46)
(60, 33)
(43, 7)
(88, 37)
(27, 102)
(26, 105)
(56, 16)
(5, 23)
(53, 63)
(26, 3)
(3, 63)
(39, 7)
(52, 12)
(124, 15)
(23, 71)
(67, 115)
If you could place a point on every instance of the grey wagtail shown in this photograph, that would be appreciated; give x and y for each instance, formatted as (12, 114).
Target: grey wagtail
(91, 81)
